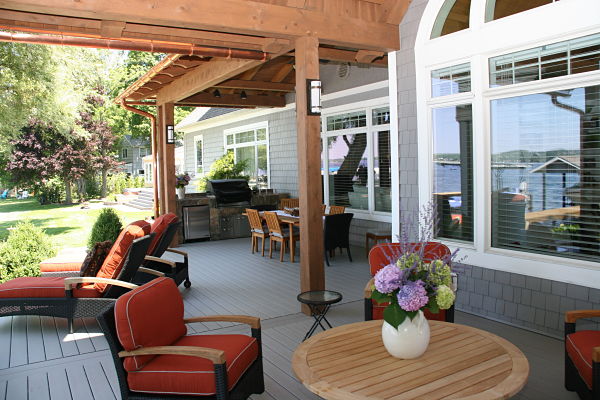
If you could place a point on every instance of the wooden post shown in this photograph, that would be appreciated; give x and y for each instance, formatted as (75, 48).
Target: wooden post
(160, 144)
(312, 273)
(168, 151)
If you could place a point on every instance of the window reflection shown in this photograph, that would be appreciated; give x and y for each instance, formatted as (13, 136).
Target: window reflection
(453, 17)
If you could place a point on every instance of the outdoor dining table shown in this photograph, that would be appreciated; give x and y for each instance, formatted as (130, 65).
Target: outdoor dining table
(350, 362)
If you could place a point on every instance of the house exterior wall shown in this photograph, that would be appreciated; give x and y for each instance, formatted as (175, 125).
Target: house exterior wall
(133, 162)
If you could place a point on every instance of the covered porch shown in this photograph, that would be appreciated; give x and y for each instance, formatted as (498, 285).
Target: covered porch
(40, 360)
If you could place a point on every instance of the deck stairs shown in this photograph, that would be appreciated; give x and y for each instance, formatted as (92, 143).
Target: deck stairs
(144, 201)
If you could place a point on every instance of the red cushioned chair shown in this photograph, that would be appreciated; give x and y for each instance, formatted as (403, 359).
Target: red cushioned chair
(156, 359)
(75, 297)
(582, 356)
(385, 253)
(165, 227)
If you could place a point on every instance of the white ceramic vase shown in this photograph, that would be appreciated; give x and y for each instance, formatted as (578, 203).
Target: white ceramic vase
(181, 193)
(411, 338)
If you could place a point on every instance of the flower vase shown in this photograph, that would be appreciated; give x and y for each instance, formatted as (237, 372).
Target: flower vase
(181, 192)
(411, 338)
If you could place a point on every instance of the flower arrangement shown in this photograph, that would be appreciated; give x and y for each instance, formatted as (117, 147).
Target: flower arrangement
(182, 180)
(411, 284)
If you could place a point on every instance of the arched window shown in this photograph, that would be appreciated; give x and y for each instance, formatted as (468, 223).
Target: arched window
(496, 9)
(453, 17)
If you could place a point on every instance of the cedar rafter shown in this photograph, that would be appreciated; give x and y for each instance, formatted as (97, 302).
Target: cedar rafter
(233, 100)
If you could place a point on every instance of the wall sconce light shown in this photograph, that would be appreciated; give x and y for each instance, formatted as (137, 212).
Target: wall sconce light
(216, 93)
(170, 134)
(243, 95)
(313, 89)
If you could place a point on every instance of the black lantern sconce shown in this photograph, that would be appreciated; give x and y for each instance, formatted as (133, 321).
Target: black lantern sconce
(170, 134)
(313, 96)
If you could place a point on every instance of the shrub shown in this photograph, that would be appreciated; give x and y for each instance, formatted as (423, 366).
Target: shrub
(107, 227)
(21, 253)
(50, 192)
(225, 168)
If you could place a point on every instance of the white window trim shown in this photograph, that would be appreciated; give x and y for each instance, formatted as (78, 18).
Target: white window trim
(198, 138)
(476, 45)
(367, 106)
(255, 143)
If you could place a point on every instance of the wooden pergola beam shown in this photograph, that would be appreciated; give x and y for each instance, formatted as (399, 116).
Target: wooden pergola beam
(257, 85)
(240, 16)
(378, 59)
(203, 77)
(232, 100)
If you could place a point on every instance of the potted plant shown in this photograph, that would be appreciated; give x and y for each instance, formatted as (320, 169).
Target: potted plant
(181, 181)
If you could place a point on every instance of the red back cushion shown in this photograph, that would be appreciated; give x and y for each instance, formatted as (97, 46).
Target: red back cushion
(159, 226)
(116, 258)
(386, 253)
(150, 315)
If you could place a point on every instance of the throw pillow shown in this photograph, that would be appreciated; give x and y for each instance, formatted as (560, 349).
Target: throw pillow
(95, 258)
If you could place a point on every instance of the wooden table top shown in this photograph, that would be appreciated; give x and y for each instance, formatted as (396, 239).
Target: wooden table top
(350, 363)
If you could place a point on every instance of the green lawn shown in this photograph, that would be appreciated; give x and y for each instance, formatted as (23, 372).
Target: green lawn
(68, 226)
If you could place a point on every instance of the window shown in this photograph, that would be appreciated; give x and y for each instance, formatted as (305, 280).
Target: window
(453, 17)
(451, 80)
(565, 58)
(250, 144)
(143, 152)
(496, 9)
(124, 153)
(198, 155)
(357, 158)
(453, 171)
(545, 169)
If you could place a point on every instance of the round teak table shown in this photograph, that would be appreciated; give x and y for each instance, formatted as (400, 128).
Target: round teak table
(350, 363)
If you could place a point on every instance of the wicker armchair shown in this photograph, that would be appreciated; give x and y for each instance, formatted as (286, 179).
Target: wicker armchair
(156, 359)
(76, 297)
(582, 356)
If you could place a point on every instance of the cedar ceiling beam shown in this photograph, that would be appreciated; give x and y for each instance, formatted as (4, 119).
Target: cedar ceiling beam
(327, 53)
(392, 11)
(368, 56)
(256, 85)
(33, 22)
(203, 77)
(283, 72)
(240, 17)
(232, 100)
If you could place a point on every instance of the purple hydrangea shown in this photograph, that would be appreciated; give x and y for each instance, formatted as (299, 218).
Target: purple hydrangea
(388, 279)
(412, 296)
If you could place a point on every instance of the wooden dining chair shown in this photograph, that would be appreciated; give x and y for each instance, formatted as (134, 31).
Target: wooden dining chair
(277, 234)
(257, 229)
(323, 208)
(336, 210)
(289, 203)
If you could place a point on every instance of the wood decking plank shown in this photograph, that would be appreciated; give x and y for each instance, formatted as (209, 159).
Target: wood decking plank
(67, 345)
(35, 341)
(59, 384)
(98, 381)
(5, 342)
(18, 354)
(78, 383)
(52, 346)
(16, 388)
(108, 366)
(81, 337)
(37, 387)
(2, 390)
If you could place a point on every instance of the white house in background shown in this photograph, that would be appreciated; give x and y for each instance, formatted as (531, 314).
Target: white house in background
(147, 165)
(132, 152)
(481, 94)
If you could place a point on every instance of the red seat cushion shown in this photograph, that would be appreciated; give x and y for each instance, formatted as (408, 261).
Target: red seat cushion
(159, 227)
(116, 258)
(59, 264)
(150, 315)
(193, 375)
(39, 287)
(579, 347)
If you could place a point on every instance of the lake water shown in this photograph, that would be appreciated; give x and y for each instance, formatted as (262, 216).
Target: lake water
(448, 180)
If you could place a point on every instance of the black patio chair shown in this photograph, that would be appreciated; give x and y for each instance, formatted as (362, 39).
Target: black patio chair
(337, 233)
(155, 359)
(62, 297)
(176, 270)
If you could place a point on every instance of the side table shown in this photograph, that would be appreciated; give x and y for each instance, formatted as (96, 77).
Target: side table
(319, 302)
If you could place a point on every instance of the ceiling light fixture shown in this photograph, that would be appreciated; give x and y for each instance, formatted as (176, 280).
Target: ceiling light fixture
(216, 93)
(243, 95)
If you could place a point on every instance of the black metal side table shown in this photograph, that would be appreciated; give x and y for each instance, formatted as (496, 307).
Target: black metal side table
(319, 302)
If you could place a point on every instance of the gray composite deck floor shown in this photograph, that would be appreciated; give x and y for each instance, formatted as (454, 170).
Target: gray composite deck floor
(39, 360)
